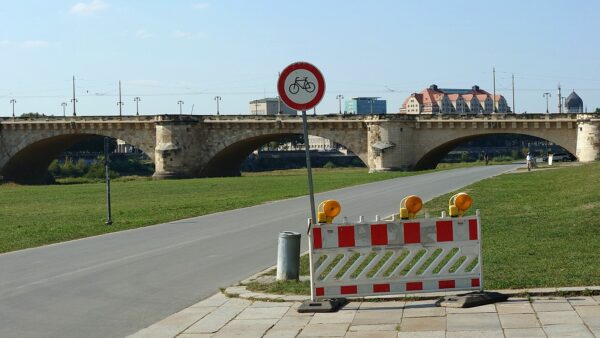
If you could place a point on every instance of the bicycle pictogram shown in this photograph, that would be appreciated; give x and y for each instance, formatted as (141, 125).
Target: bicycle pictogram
(303, 83)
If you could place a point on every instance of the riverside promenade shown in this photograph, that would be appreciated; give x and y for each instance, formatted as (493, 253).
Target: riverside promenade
(244, 316)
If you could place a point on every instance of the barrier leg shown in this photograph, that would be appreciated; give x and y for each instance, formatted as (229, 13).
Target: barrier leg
(476, 298)
(312, 305)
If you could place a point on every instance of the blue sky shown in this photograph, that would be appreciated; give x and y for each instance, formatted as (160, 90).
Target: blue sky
(165, 51)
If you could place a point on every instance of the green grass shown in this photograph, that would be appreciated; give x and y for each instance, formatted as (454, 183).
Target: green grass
(37, 215)
(540, 228)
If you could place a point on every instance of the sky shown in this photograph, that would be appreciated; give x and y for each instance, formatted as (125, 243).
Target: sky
(167, 51)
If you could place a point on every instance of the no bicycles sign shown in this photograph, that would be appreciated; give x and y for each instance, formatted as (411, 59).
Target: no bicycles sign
(301, 86)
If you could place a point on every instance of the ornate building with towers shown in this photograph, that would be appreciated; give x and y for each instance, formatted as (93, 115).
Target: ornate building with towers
(573, 103)
(434, 100)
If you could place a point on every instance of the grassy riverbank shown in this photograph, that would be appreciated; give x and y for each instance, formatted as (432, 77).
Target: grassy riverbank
(37, 215)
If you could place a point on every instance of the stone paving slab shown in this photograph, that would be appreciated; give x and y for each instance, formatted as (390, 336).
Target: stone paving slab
(567, 330)
(376, 334)
(525, 333)
(473, 322)
(519, 321)
(324, 330)
(422, 334)
(377, 316)
(174, 324)
(559, 317)
(376, 327)
(514, 306)
(423, 324)
(475, 334)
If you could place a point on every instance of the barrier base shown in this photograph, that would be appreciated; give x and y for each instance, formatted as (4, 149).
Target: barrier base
(471, 299)
(328, 305)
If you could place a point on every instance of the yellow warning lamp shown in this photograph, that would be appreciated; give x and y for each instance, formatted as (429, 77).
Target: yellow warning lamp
(459, 204)
(328, 209)
(410, 206)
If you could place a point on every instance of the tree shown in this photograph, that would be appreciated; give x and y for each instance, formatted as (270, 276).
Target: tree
(31, 114)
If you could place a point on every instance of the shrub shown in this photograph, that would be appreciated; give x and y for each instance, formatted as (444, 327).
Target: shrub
(329, 165)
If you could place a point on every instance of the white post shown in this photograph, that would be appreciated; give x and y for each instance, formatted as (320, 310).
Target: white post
(313, 298)
(480, 258)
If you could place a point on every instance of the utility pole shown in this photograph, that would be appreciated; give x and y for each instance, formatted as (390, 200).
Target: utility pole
(340, 97)
(13, 101)
(547, 95)
(180, 103)
(278, 105)
(137, 105)
(371, 100)
(559, 100)
(64, 106)
(120, 103)
(217, 98)
(513, 92)
(74, 100)
(494, 97)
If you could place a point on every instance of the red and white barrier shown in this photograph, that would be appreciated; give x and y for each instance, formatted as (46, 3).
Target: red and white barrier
(404, 256)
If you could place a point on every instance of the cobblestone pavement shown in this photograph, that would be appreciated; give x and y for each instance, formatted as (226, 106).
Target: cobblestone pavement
(219, 316)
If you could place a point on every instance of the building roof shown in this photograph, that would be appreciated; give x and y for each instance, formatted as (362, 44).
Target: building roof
(366, 98)
(573, 101)
(266, 99)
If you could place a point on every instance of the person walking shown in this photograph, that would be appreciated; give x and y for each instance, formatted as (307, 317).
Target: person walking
(528, 162)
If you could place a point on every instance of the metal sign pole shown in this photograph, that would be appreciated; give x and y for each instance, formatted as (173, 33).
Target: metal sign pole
(107, 168)
(313, 297)
(313, 214)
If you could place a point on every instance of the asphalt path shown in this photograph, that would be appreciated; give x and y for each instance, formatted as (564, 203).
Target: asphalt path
(116, 284)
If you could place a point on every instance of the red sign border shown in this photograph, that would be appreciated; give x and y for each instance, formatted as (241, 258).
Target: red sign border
(320, 82)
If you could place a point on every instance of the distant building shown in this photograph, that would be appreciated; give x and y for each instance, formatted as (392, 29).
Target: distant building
(434, 100)
(124, 147)
(365, 106)
(573, 103)
(270, 106)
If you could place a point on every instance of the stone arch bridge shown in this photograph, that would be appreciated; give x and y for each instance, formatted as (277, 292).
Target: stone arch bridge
(205, 146)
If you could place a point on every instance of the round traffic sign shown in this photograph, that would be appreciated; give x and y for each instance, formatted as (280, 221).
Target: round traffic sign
(301, 86)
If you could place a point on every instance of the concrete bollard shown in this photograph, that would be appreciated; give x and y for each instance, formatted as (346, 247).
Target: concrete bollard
(288, 256)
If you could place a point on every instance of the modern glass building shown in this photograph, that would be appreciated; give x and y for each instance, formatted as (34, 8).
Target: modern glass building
(365, 106)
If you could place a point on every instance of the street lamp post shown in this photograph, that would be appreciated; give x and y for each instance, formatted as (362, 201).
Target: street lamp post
(64, 106)
(137, 105)
(180, 103)
(13, 101)
(217, 98)
(547, 95)
(371, 100)
(340, 97)
(74, 100)
(120, 103)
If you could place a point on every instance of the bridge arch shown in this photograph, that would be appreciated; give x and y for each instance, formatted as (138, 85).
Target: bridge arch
(430, 157)
(30, 154)
(226, 158)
